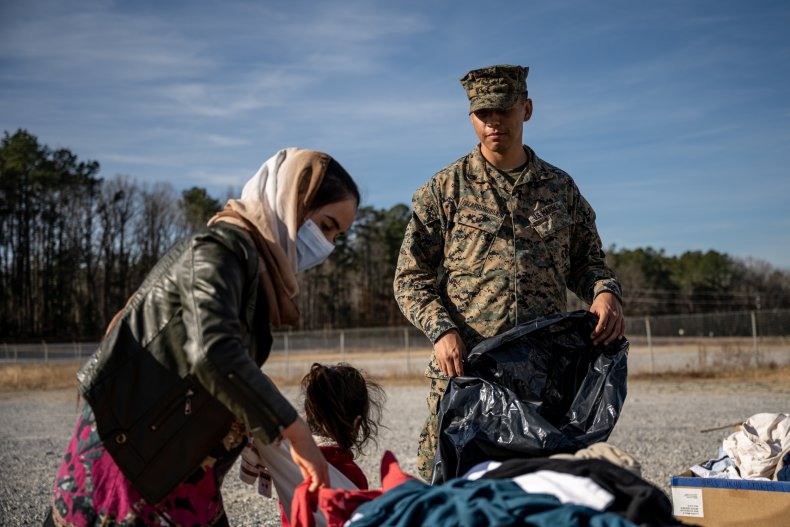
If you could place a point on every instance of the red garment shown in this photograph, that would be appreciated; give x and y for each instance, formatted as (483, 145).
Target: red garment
(343, 461)
(391, 473)
(339, 504)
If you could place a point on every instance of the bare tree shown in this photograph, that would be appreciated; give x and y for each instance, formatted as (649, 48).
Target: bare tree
(155, 227)
(117, 207)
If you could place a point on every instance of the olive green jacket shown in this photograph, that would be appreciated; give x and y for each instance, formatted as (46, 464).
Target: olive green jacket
(482, 254)
(183, 360)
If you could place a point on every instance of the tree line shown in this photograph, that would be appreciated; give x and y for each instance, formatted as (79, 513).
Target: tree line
(74, 246)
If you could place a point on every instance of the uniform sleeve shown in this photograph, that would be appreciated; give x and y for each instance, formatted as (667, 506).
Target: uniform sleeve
(589, 274)
(417, 272)
(213, 286)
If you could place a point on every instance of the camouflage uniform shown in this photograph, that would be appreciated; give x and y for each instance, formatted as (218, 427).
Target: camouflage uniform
(481, 255)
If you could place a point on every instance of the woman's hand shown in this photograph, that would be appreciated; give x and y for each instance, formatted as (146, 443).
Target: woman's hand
(306, 454)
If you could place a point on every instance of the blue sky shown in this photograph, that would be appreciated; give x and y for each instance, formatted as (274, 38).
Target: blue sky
(673, 117)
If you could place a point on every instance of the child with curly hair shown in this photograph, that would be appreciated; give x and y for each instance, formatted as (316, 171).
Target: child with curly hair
(343, 409)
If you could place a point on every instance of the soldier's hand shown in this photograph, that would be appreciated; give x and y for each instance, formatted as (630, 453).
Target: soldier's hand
(611, 322)
(450, 352)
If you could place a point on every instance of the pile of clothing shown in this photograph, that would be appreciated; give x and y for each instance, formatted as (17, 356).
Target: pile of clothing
(758, 450)
(599, 486)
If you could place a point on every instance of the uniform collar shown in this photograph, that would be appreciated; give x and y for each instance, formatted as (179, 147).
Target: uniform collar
(481, 170)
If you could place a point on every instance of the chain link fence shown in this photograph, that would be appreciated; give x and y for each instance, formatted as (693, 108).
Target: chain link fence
(661, 344)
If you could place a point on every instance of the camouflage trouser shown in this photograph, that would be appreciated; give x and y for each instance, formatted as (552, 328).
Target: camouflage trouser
(426, 449)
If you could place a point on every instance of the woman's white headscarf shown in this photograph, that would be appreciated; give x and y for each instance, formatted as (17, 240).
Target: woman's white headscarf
(272, 207)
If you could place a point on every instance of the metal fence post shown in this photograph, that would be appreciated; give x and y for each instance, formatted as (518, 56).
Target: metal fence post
(287, 358)
(46, 351)
(650, 346)
(408, 353)
(754, 339)
(342, 346)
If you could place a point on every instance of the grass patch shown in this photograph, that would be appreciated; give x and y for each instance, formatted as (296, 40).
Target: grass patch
(769, 373)
(20, 377)
(14, 377)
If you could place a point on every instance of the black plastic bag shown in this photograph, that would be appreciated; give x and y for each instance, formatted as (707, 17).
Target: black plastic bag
(539, 389)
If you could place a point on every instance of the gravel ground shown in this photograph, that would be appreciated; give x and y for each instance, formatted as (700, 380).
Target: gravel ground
(660, 426)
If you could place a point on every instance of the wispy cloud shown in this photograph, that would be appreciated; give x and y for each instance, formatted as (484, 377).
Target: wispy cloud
(125, 53)
(220, 179)
(158, 161)
(673, 118)
(93, 41)
(223, 140)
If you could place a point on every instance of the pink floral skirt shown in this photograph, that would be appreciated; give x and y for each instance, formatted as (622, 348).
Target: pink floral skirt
(90, 489)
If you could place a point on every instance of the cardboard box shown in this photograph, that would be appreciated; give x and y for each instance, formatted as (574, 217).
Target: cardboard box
(730, 502)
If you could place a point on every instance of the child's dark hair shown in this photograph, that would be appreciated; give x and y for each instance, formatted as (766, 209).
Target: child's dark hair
(337, 185)
(342, 405)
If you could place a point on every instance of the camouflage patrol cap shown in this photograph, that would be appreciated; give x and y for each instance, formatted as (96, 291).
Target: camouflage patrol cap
(495, 87)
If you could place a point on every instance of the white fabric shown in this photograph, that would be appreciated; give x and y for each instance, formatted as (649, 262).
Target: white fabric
(756, 448)
(477, 471)
(607, 452)
(723, 467)
(287, 476)
(729, 472)
(568, 488)
(268, 186)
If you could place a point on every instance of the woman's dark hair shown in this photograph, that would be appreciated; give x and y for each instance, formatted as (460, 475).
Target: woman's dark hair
(336, 186)
(334, 397)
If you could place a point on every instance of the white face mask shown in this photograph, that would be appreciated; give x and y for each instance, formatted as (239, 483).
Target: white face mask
(312, 247)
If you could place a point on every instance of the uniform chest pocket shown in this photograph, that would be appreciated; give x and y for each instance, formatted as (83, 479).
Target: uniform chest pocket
(552, 223)
(471, 237)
